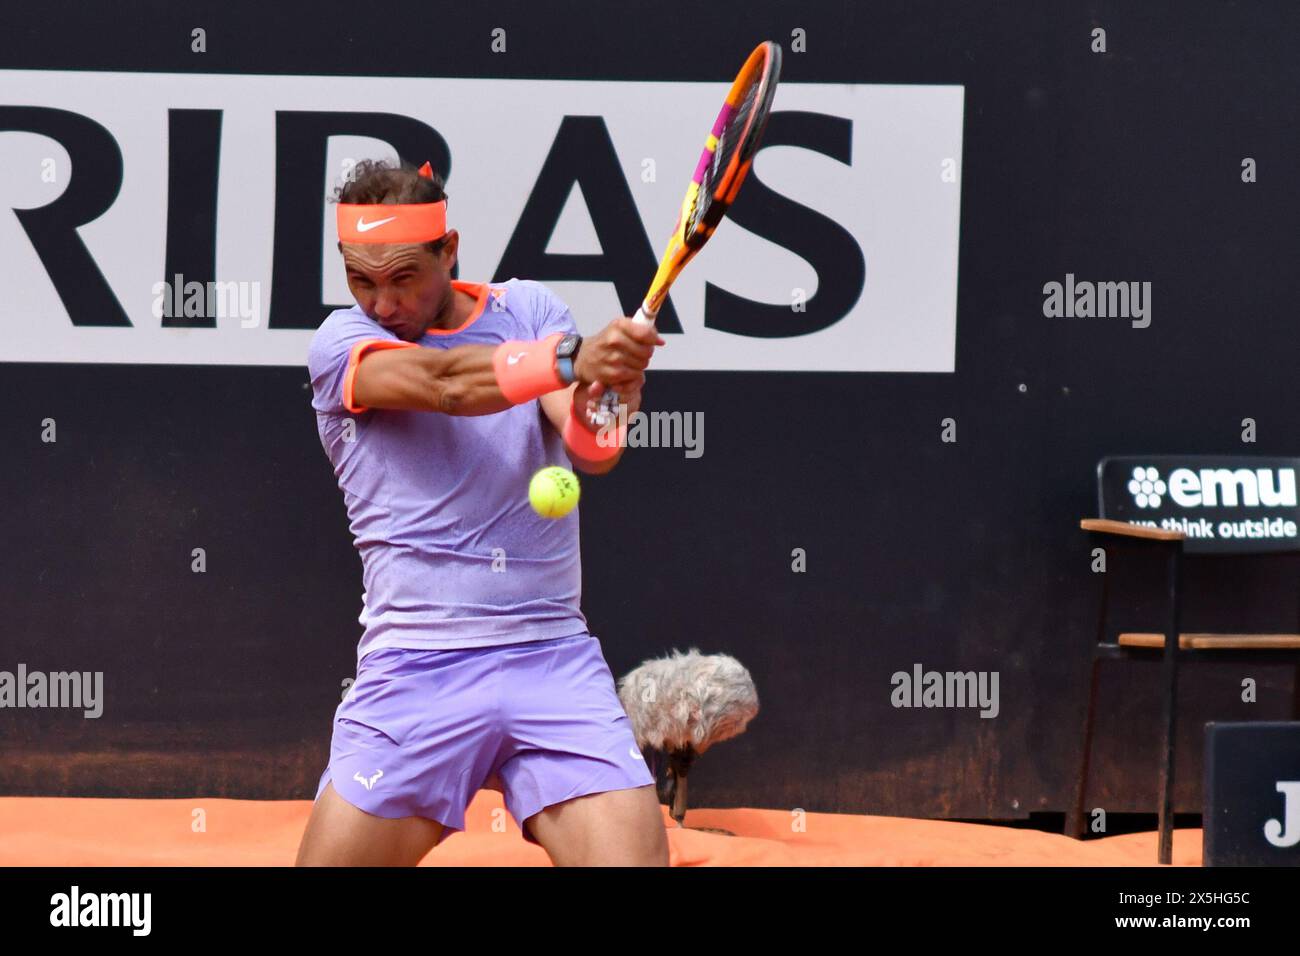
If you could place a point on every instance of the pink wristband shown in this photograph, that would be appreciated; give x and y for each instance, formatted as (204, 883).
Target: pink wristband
(526, 370)
(587, 444)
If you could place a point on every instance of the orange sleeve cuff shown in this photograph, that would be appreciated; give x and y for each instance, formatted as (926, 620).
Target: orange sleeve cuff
(358, 351)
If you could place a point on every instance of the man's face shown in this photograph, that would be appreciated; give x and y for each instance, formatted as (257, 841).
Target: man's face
(403, 287)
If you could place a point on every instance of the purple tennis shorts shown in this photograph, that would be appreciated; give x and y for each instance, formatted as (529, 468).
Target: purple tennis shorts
(420, 732)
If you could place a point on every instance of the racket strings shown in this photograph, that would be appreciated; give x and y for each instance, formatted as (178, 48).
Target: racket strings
(729, 140)
(735, 128)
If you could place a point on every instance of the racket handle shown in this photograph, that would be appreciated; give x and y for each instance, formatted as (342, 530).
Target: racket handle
(607, 409)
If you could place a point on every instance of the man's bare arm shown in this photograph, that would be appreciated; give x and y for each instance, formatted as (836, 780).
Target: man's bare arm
(457, 381)
(463, 381)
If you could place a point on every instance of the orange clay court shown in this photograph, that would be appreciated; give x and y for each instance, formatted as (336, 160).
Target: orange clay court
(75, 831)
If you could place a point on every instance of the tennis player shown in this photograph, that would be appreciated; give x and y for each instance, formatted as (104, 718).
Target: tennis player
(436, 401)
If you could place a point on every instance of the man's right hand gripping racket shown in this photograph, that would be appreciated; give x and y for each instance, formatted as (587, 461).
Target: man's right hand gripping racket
(728, 154)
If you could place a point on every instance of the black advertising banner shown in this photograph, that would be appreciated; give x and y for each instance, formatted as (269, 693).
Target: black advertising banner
(1223, 504)
(1252, 794)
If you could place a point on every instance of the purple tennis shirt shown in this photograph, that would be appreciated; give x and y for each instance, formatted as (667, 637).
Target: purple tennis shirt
(453, 555)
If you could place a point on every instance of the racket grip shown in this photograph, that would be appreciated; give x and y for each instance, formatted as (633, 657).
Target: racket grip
(607, 409)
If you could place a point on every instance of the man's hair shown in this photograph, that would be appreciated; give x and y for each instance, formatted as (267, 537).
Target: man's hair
(376, 181)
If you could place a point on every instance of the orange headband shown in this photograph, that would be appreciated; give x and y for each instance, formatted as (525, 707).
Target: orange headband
(393, 222)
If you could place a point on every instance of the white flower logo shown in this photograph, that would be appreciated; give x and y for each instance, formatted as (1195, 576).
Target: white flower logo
(1146, 487)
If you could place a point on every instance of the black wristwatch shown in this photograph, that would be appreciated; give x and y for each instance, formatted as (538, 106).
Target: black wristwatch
(566, 353)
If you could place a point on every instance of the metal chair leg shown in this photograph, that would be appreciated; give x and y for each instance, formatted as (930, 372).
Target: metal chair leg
(1074, 821)
(1169, 678)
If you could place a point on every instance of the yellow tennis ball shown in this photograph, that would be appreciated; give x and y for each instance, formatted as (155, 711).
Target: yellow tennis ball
(553, 492)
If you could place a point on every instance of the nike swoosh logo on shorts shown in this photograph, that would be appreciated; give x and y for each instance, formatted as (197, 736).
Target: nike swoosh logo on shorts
(514, 359)
(363, 226)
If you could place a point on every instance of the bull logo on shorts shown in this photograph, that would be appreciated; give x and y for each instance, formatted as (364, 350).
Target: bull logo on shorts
(367, 782)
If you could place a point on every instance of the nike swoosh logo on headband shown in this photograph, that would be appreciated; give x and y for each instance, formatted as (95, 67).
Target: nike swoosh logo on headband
(363, 226)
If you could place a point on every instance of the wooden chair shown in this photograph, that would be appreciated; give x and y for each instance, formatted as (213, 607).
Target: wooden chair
(1171, 547)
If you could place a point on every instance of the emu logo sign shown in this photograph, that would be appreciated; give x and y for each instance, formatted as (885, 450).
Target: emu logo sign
(1220, 503)
(1231, 488)
(1215, 487)
(1288, 833)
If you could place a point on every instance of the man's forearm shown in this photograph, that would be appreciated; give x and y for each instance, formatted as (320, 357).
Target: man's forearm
(484, 379)
(466, 382)
(595, 467)
(626, 411)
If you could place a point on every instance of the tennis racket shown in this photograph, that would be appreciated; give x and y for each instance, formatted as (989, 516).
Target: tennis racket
(728, 154)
